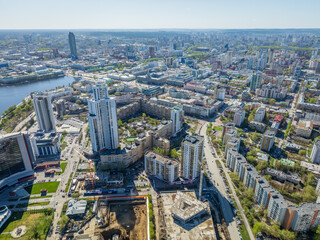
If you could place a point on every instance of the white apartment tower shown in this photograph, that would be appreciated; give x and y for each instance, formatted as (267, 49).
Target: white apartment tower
(177, 119)
(44, 112)
(315, 154)
(192, 154)
(103, 123)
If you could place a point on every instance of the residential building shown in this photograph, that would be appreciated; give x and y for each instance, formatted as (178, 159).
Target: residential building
(304, 128)
(229, 134)
(267, 140)
(305, 217)
(259, 115)
(272, 91)
(44, 112)
(255, 82)
(177, 119)
(258, 126)
(226, 127)
(103, 123)
(16, 159)
(72, 45)
(5, 214)
(61, 107)
(232, 142)
(315, 154)
(192, 154)
(239, 117)
(161, 167)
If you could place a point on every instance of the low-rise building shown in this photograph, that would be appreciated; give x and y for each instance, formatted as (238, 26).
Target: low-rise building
(304, 128)
(76, 208)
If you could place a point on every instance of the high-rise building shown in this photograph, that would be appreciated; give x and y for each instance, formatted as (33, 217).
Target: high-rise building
(177, 119)
(255, 82)
(15, 159)
(61, 107)
(259, 115)
(239, 117)
(44, 112)
(72, 44)
(267, 140)
(103, 123)
(161, 167)
(315, 154)
(151, 52)
(192, 154)
(226, 127)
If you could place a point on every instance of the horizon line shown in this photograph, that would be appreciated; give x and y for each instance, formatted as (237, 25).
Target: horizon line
(113, 29)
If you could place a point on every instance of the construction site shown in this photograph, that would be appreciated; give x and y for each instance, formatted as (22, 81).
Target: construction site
(122, 219)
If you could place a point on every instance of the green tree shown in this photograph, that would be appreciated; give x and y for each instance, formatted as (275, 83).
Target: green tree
(302, 152)
(63, 222)
(78, 101)
(144, 116)
(174, 154)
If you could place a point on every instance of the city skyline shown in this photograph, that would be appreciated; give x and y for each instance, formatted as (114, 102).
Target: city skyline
(144, 14)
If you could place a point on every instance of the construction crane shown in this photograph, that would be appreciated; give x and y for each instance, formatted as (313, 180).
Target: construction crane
(89, 161)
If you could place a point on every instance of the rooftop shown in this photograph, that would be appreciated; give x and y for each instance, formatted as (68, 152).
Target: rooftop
(185, 207)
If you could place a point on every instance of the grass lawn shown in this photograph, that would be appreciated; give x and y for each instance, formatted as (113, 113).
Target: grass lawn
(22, 205)
(36, 188)
(35, 222)
(48, 196)
(68, 183)
(63, 146)
(63, 166)
(244, 232)
(218, 128)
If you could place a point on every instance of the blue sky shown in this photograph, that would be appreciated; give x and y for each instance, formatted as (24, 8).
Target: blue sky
(150, 14)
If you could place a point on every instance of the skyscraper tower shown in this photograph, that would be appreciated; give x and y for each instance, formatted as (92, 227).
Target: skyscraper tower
(255, 82)
(177, 119)
(44, 112)
(103, 123)
(73, 46)
(192, 154)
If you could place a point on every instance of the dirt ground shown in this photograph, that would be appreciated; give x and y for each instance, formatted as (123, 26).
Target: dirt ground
(128, 219)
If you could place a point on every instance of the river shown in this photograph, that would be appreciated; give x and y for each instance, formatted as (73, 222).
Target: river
(13, 95)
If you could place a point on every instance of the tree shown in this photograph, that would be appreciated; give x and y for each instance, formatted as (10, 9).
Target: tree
(174, 154)
(144, 116)
(160, 151)
(63, 222)
(78, 101)
(120, 124)
(302, 152)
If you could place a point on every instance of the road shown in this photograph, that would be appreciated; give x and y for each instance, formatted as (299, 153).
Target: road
(219, 184)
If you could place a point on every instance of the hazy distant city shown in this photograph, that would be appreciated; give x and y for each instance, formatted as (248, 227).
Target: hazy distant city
(160, 134)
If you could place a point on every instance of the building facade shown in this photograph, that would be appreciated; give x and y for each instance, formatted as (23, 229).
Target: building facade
(192, 154)
(103, 123)
(44, 112)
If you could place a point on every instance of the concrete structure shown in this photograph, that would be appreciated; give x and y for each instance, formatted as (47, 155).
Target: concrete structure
(258, 126)
(192, 154)
(239, 117)
(255, 82)
(103, 123)
(226, 127)
(267, 140)
(45, 145)
(177, 119)
(60, 107)
(16, 159)
(161, 167)
(229, 134)
(44, 112)
(5, 214)
(272, 91)
(76, 208)
(315, 154)
(259, 115)
(185, 208)
(304, 128)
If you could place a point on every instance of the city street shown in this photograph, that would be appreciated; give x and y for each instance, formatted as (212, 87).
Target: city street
(216, 178)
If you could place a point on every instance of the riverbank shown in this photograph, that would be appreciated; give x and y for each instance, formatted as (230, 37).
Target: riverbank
(14, 94)
(10, 81)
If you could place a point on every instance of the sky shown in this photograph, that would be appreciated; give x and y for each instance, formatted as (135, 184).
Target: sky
(161, 14)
